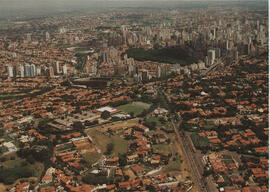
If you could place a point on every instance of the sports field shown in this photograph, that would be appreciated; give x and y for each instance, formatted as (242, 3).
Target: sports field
(135, 107)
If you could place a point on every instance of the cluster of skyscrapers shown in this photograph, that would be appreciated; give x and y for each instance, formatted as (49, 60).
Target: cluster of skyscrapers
(31, 70)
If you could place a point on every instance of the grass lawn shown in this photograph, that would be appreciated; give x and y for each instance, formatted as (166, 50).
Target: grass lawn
(36, 167)
(128, 108)
(155, 119)
(92, 157)
(13, 163)
(199, 141)
(163, 148)
(173, 165)
(120, 145)
(135, 107)
(102, 140)
(147, 167)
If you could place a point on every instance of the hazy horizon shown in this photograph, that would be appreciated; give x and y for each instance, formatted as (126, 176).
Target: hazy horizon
(35, 8)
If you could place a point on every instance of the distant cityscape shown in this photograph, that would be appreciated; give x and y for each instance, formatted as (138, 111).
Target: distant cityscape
(136, 99)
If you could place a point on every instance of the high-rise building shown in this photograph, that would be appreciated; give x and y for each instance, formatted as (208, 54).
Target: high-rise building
(51, 72)
(29, 37)
(62, 30)
(218, 52)
(38, 70)
(32, 70)
(56, 68)
(213, 32)
(21, 70)
(158, 71)
(10, 71)
(65, 69)
(211, 56)
(131, 70)
(206, 61)
(145, 75)
(105, 57)
(236, 55)
(47, 35)
(93, 69)
(27, 70)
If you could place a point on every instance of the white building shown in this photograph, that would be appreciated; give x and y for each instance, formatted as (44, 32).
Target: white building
(27, 70)
(21, 70)
(211, 54)
(10, 71)
(32, 70)
(10, 146)
(56, 68)
(64, 69)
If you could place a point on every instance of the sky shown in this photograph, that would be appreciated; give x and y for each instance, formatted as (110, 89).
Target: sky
(11, 8)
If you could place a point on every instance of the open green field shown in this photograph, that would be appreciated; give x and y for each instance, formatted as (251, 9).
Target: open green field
(12, 163)
(198, 141)
(102, 140)
(156, 120)
(92, 157)
(162, 148)
(173, 165)
(135, 107)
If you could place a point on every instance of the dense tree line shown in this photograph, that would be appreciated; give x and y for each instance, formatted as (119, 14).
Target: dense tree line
(163, 55)
(10, 175)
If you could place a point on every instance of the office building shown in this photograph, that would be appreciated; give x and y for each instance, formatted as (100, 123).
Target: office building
(211, 56)
(64, 69)
(27, 70)
(10, 71)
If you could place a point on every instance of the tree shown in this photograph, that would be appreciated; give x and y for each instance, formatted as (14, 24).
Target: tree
(43, 123)
(122, 159)
(162, 120)
(78, 125)
(2, 132)
(109, 149)
(30, 159)
(131, 114)
(105, 115)
(151, 124)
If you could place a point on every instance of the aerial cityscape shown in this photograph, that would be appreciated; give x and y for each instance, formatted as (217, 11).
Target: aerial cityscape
(134, 96)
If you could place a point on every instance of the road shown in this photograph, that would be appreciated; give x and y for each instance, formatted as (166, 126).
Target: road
(195, 164)
(195, 169)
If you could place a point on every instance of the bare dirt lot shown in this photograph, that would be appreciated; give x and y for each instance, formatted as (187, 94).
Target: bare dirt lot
(116, 126)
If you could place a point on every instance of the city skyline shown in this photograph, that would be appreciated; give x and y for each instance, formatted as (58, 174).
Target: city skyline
(134, 96)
